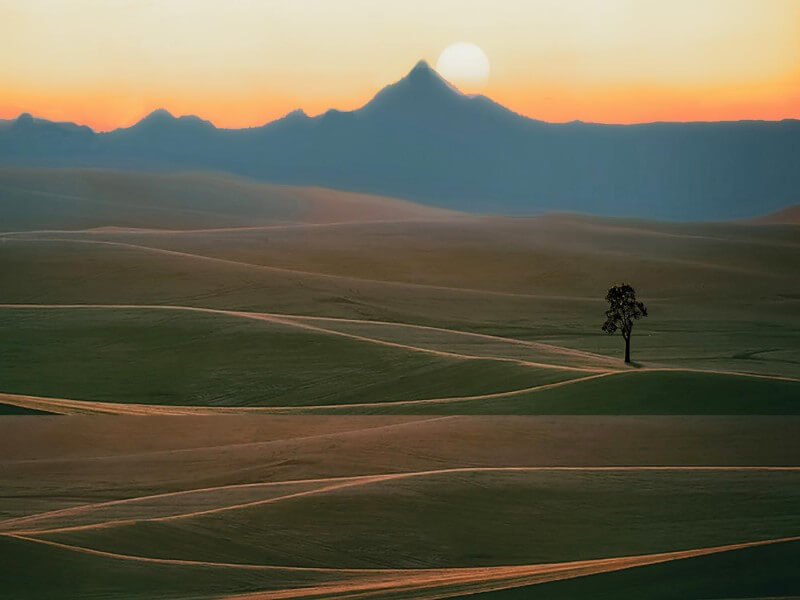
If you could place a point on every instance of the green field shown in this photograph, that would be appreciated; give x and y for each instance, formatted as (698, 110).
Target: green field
(729, 575)
(628, 393)
(515, 518)
(388, 401)
(131, 500)
(11, 409)
(171, 357)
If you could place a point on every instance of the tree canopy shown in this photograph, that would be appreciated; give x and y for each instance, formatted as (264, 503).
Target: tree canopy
(622, 311)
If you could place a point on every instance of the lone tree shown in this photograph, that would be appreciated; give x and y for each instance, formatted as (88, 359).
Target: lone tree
(623, 310)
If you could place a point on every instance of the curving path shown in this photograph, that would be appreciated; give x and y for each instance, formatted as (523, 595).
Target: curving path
(112, 230)
(425, 584)
(70, 406)
(22, 525)
(298, 321)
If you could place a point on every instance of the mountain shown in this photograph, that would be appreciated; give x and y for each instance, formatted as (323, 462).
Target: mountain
(422, 139)
(28, 138)
(160, 136)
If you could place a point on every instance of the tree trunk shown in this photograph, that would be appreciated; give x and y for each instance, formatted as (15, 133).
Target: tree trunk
(628, 349)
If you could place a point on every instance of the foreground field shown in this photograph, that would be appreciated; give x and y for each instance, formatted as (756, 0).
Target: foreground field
(376, 505)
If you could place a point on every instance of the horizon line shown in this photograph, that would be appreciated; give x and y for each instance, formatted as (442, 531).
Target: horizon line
(322, 114)
(421, 63)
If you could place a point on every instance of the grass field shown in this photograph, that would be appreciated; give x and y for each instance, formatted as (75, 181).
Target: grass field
(727, 575)
(516, 517)
(183, 505)
(357, 397)
(180, 357)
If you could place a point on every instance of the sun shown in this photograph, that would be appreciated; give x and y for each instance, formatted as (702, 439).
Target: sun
(465, 65)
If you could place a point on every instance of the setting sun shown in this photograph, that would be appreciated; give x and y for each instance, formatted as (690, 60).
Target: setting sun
(107, 64)
(465, 65)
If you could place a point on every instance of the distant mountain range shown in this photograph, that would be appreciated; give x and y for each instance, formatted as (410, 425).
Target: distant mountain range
(422, 139)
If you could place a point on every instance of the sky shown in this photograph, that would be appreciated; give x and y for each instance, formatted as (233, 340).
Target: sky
(239, 63)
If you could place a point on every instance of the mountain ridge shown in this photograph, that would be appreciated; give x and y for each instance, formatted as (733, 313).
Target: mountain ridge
(421, 65)
(422, 139)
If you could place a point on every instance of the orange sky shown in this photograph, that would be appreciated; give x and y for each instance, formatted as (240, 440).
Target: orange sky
(238, 63)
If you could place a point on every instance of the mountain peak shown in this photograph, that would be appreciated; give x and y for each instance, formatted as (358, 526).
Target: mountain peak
(159, 114)
(297, 113)
(296, 117)
(27, 123)
(422, 64)
(421, 87)
(424, 74)
(161, 118)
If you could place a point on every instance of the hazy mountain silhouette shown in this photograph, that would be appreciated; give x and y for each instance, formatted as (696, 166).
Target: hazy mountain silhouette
(420, 138)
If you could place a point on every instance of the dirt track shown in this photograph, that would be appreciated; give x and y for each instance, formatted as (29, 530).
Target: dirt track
(428, 584)
(328, 484)
(71, 406)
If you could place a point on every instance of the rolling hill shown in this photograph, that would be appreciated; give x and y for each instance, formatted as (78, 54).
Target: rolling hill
(515, 455)
(91, 198)
(438, 315)
(788, 216)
